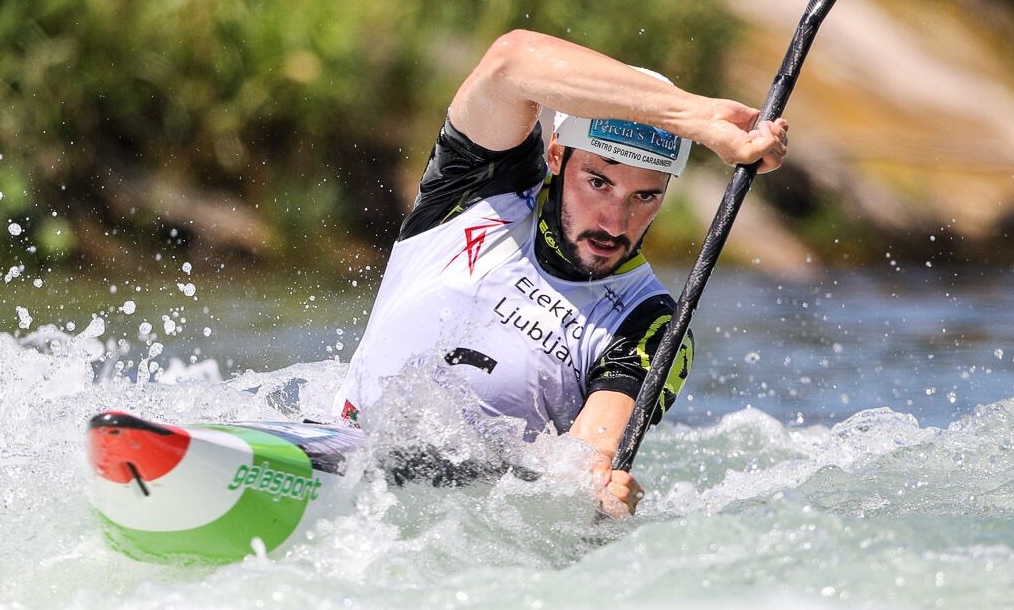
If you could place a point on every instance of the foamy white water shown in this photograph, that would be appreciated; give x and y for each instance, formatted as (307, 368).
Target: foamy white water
(876, 511)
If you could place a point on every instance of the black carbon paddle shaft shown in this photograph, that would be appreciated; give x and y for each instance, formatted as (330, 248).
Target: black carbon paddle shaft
(778, 96)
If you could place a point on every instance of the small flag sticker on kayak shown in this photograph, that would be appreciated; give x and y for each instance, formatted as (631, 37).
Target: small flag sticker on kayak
(350, 414)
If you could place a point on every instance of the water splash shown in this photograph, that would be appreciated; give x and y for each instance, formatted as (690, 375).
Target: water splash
(748, 512)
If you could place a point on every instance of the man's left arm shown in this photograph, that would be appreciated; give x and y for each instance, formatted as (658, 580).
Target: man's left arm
(613, 385)
(601, 423)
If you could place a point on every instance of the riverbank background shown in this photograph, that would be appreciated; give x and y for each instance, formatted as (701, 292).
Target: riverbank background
(249, 136)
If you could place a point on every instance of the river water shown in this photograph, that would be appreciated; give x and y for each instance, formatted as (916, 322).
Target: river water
(844, 443)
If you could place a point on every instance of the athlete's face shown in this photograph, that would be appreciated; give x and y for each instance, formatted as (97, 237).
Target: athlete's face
(606, 208)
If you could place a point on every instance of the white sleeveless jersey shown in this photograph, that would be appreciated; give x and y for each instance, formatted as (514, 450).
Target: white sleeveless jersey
(469, 297)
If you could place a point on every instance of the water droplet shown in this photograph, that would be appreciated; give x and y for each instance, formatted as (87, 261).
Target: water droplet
(24, 318)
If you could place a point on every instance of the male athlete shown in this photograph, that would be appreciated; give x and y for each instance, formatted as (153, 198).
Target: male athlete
(519, 268)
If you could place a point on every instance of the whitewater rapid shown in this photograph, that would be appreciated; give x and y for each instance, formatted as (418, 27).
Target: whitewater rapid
(876, 511)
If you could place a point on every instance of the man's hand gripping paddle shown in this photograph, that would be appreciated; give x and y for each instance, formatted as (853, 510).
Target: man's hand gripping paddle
(651, 391)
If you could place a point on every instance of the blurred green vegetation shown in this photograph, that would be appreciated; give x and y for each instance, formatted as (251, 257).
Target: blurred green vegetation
(268, 132)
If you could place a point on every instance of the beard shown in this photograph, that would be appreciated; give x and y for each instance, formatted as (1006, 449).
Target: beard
(598, 267)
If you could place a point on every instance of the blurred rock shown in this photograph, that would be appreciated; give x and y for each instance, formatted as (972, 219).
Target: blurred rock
(905, 111)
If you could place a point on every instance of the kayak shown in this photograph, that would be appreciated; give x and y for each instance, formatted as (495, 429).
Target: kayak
(214, 493)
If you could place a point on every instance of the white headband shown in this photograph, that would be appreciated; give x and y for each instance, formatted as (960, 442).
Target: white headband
(627, 142)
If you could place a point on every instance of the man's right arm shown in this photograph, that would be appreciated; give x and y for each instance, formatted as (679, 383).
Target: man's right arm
(500, 101)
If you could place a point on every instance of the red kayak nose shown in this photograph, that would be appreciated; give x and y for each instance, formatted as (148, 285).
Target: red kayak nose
(124, 448)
